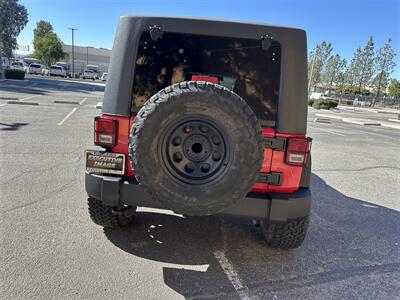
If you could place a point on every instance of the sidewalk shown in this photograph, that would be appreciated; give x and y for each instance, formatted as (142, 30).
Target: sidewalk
(344, 114)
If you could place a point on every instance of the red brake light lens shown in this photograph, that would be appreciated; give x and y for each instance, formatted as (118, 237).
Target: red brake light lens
(297, 151)
(105, 132)
(211, 79)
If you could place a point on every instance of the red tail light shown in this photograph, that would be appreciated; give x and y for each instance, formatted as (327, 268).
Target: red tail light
(105, 132)
(211, 79)
(297, 151)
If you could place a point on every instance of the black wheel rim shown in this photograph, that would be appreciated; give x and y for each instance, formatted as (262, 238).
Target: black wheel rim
(195, 150)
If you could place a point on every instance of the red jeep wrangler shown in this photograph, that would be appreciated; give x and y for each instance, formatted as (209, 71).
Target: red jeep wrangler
(204, 117)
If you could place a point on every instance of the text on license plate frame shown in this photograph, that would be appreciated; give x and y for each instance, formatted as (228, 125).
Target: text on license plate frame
(105, 162)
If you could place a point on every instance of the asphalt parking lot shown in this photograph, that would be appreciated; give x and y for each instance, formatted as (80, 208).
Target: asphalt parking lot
(50, 249)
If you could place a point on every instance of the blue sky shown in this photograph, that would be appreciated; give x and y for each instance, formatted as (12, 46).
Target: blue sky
(347, 24)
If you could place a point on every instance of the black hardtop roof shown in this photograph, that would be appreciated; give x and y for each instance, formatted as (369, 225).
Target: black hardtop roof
(292, 105)
(209, 20)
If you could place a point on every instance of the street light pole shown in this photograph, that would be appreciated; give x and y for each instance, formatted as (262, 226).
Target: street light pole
(73, 57)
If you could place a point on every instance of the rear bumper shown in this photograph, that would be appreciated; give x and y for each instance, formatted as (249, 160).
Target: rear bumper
(275, 207)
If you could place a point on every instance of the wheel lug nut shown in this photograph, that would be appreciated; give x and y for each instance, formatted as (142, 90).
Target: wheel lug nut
(205, 167)
(187, 129)
(177, 157)
(177, 141)
(203, 128)
(215, 140)
(189, 168)
(216, 155)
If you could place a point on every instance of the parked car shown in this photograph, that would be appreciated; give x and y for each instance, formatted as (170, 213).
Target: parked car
(17, 65)
(6, 62)
(94, 68)
(66, 67)
(56, 70)
(35, 68)
(201, 136)
(89, 74)
(104, 76)
(45, 71)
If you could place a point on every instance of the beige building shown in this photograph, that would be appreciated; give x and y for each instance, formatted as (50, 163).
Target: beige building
(87, 56)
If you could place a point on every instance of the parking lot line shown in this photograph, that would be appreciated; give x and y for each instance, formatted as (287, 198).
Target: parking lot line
(30, 97)
(3, 104)
(233, 276)
(83, 100)
(67, 116)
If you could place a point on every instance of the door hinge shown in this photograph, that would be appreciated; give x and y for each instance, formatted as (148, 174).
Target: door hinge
(275, 143)
(270, 178)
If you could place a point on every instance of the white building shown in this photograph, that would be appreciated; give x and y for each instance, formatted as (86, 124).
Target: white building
(87, 56)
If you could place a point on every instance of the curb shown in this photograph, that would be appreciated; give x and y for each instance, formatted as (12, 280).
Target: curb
(362, 122)
(329, 116)
(9, 98)
(22, 102)
(388, 125)
(65, 102)
(394, 120)
(322, 120)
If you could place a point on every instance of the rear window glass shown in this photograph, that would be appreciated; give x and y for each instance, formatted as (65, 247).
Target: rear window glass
(55, 68)
(241, 65)
(35, 66)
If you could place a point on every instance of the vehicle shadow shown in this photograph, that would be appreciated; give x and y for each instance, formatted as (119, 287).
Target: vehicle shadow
(350, 243)
(12, 126)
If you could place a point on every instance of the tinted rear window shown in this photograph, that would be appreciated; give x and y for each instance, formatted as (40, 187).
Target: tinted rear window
(55, 68)
(35, 66)
(241, 65)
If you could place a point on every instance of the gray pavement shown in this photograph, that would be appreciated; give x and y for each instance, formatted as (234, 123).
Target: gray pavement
(50, 249)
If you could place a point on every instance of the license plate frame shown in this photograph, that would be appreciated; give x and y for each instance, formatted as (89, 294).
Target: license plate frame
(104, 162)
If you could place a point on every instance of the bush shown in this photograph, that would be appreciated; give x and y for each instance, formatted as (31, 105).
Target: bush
(15, 74)
(324, 104)
(311, 102)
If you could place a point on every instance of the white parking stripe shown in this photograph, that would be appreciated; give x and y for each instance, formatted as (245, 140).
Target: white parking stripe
(63, 120)
(3, 104)
(233, 276)
(83, 100)
(30, 97)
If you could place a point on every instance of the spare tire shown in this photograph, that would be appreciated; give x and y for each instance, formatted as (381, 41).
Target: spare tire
(196, 148)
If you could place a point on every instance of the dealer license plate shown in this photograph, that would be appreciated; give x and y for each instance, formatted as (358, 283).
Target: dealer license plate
(105, 162)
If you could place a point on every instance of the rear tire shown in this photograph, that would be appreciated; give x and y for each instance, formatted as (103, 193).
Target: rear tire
(106, 216)
(287, 235)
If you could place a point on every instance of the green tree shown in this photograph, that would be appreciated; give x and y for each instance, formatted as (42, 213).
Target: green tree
(13, 18)
(47, 45)
(341, 79)
(351, 71)
(42, 28)
(394, 88)
(317, 60)
(385, 64)
(334, 66)
(365, 65)
(49, 49)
